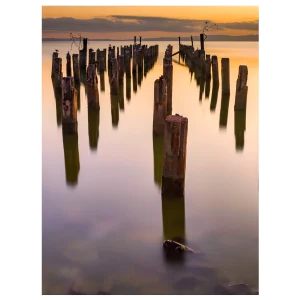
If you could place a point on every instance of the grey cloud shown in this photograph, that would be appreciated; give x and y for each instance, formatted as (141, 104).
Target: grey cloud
(117, 23)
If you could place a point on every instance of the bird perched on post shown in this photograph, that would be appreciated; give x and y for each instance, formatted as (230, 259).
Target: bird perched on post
(56, 50)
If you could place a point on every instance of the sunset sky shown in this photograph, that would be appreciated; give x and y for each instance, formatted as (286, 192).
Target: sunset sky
(122, 22)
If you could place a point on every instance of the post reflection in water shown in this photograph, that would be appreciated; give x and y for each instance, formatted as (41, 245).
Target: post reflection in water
(93, 116)
(224, 110)
(202, 84)
(71, 153)
(114, 110)
(239, 129)
(214, 96)
(140, 74)
(83, 79)
(102, 82)
(158, 156)
(173, 215)
(58, 102)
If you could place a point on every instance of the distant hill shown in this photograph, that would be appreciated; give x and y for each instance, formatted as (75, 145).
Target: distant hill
(219, 38)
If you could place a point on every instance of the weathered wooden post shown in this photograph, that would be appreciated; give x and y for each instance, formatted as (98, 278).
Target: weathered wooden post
(121, 67)
(121, 95)
(140, 40)
(214, 96)
(179, 42)
(76, 67)
(215, 68)
(134, 82)
(128, 88)
(192, 41)
(241, 89)
(224, 110)
(58, 101)
(93, 116)
(175, 141)
(102, 82)
(114, 81)
(69, 102)
(92, 57)
(225, 75)
(134, 61)
(114, 51)
(117, 52)
(207, 67)
(134, 40)
(71, 154)
(239, 128)
(173, 213)
(68, 65)
(202, 42)
(168, 75)
(56, 73)
(101, 60)
(83, 55)
(92, 79)
(160, 105)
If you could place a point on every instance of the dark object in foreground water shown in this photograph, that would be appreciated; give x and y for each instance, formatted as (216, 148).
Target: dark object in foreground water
(175, 247)
(234, 289)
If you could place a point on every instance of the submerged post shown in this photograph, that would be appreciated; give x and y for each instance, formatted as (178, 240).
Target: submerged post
(225, 75)
(69, 102)
(215, 68)
(76, 67)
(175, 140)
(160, 105)
(68, 57)
(241, 89)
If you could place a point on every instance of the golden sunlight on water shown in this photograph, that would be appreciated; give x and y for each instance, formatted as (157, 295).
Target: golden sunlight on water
(104, 218)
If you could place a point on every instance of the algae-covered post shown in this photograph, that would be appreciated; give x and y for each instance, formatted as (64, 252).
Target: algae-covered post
(175, 141)
(241, 89)
(225, 75)
(69, 103)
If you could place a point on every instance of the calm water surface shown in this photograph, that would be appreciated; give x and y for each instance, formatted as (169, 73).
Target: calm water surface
(104, 219)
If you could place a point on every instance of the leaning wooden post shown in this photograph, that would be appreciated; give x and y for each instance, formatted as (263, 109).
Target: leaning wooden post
(241, 89)
(83, 55)
(69, 102)
(225, 75)
(160, 105)
(215, 68)
(76, 67)
(68, 68)
(175, 140)
(92, 79)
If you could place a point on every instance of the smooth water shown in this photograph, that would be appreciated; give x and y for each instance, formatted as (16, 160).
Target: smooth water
(103, 217)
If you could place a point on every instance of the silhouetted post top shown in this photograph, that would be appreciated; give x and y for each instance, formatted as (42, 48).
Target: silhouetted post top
(225, 75)
(242, 77)
(241, 89)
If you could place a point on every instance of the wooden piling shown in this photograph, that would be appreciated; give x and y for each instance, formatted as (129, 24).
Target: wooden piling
(192, 41)
(83, 54)
(102, 82)
(224, 110)
(215, 68)
(214, 96)
(225, 75)
(160, 105)
(114, 81)
(93, 116)
(128, 88)
(92, 57)
(168, 75)
(134, 40)
(56, 73)
(69, 102)
(140, 40)
(58, 103)
(202, 41)
(68, 65)
(241, 89)
(76, 67)
(92, 79)
(175, 141)
(207, 67)
(121, 67)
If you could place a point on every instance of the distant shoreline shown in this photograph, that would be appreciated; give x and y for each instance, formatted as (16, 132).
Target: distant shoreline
(215, 38)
